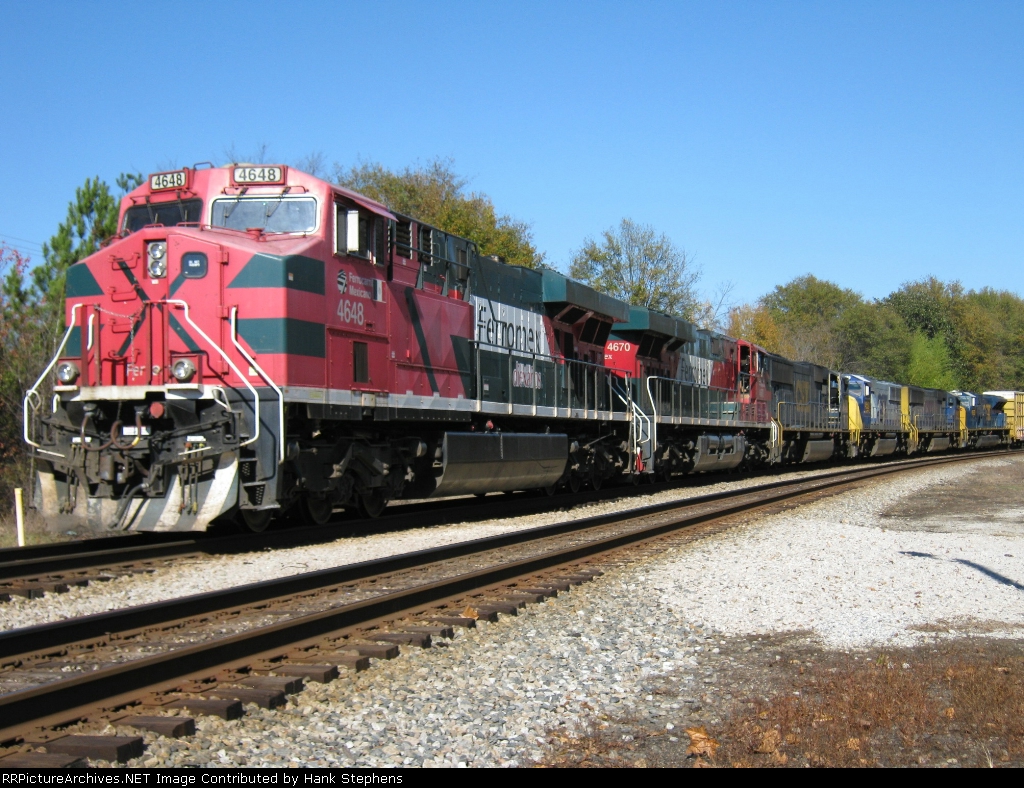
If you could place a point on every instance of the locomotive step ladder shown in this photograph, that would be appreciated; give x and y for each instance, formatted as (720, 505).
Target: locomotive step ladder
(641, 433)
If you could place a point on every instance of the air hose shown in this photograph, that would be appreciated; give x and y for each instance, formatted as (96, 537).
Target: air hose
(125, 504)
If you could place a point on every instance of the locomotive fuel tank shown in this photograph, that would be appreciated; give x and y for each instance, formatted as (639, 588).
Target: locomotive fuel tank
(817, 450)
(718, 452)
(485, 462)
(884, 447)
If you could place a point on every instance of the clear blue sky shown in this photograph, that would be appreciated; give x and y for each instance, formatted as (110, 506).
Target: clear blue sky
(866, 142)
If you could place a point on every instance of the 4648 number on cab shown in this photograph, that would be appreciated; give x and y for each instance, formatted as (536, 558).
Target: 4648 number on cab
(351, 311)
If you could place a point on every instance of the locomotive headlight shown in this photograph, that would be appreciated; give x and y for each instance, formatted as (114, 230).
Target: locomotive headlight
(67, 372)
(156, 259)
(183, 370)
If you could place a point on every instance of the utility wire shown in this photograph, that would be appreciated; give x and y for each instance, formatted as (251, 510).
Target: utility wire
(25, 242)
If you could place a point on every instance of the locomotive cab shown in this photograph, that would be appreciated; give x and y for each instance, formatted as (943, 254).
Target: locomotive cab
(752, 375)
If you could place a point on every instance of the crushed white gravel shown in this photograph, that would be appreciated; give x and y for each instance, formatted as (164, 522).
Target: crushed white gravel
(836, 568)
(199, 575)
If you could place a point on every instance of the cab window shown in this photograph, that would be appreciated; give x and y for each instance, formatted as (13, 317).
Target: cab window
(359, 233)
(168, 214)
(269, 214)
(433, 260)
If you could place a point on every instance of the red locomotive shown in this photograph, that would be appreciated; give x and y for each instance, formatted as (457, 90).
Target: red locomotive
(256, 339)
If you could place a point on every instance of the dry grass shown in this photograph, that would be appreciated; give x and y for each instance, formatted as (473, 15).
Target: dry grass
(594, 746)
(36, 531)
(958, 702)
(962, 702)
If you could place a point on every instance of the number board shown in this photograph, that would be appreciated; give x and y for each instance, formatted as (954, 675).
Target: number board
(259, 174)
(168, 180)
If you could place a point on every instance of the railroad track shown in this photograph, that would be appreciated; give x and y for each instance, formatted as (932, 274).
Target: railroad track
(35, 571)
(210, 653)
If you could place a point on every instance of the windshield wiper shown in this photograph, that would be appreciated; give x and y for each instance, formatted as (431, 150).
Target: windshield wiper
(234, 205)
(280, 199)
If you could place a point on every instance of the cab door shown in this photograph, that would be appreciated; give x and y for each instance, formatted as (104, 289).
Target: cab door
(744, 371)
(358, 353)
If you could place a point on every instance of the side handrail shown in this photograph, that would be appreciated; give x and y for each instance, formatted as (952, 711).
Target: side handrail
(32, 395)
(775, 435)
(807, 415)
(230, 363)
(637, 419)
(654, 419)
(262, 374)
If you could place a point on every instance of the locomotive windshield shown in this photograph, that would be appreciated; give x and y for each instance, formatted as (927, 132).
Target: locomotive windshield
(270, 214)
(166, 213)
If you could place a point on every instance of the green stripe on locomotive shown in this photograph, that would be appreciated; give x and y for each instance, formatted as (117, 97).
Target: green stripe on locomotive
(296, 272)
(284, 335)
(80, 282)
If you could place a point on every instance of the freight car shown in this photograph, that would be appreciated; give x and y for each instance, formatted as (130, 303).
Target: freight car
(256, 341)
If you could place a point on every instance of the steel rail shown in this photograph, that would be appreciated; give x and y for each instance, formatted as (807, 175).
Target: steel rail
(21, 708)
(38, 561)
(41, 637)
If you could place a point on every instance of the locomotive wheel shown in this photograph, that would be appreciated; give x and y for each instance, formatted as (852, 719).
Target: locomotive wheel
(257, 521)
(317, 510)
(595, 480)
(549, 490)
(574, 483)
(372, 504)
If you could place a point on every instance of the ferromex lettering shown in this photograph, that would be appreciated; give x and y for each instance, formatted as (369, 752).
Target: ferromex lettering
(694, 369)
(509, 327)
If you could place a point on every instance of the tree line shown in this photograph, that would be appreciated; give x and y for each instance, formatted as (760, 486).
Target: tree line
(927, 333)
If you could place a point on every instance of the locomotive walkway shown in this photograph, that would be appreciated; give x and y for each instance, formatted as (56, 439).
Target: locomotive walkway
(206, 652)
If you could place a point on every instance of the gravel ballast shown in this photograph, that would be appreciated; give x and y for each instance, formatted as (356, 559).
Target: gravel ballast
(496, 696)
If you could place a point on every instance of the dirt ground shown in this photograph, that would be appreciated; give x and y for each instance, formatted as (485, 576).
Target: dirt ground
(990, 500)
